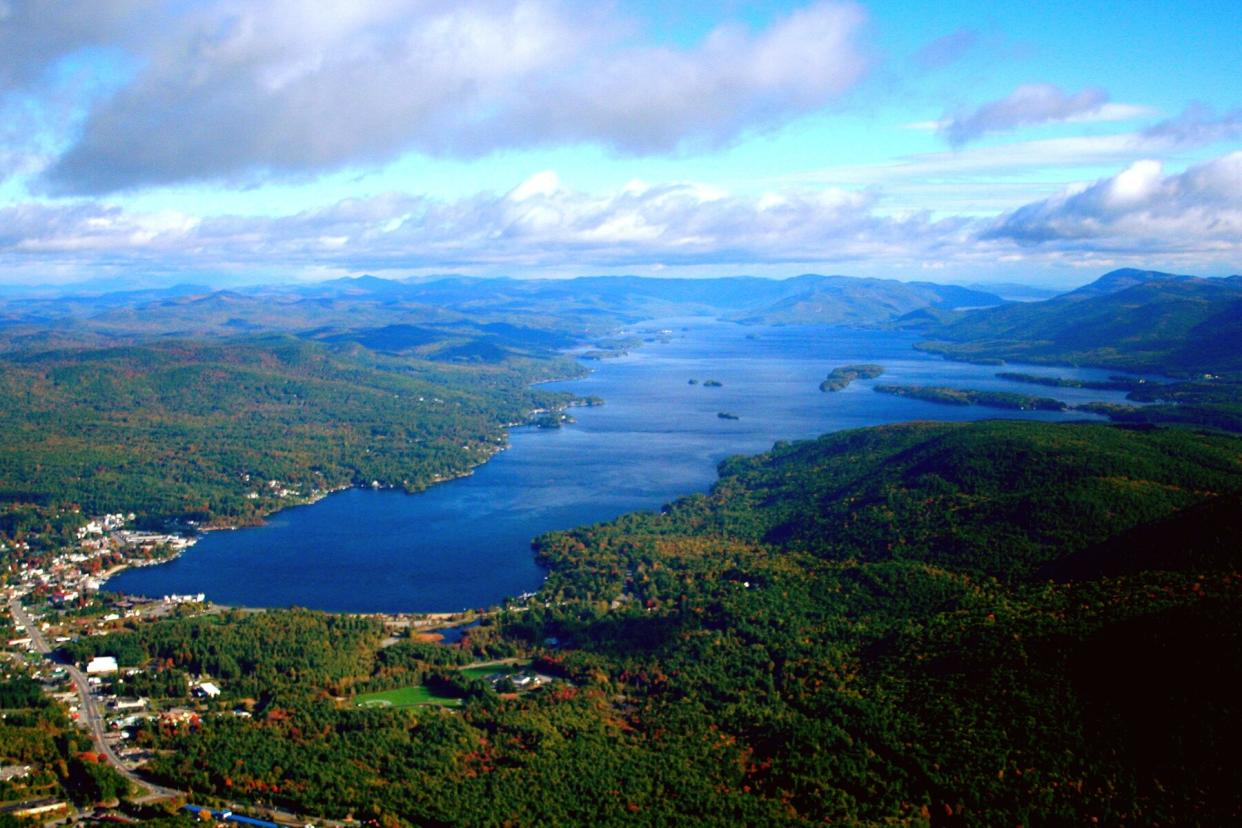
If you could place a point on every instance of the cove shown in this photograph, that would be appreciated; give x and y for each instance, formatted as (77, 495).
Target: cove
(466, 543)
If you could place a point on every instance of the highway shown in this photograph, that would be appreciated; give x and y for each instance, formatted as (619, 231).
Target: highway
(90, 712)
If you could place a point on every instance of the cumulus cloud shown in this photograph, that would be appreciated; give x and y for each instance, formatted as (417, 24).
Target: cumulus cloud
(234, 88)
(1141, 214)
(1140, 208)
(541, 223)
(1028, 105)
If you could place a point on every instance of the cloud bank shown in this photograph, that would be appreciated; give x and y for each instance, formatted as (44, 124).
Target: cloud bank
(234, 89)
(1193, 218)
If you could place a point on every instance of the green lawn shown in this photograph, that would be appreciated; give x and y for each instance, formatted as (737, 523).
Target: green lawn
(485, 670)
(419, 694)
(405, 697)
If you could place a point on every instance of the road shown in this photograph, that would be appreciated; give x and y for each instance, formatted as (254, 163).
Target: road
(93, 717)
(90, 712)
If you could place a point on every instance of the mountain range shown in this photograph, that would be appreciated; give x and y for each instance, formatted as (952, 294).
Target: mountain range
(1136, 320)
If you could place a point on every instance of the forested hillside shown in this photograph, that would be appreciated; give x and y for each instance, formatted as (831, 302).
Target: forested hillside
(1131, 320)
(998, 623)
(228, 431)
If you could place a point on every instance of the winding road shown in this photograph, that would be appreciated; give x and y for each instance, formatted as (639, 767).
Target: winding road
(91, 713)
(94, 720)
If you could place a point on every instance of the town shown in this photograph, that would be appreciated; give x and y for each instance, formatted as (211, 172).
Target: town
(55, 570)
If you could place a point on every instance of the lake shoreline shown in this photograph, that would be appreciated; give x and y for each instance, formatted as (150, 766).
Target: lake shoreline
(657, 439)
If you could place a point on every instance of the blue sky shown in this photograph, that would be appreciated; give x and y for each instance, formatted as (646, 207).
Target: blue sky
(145, 142)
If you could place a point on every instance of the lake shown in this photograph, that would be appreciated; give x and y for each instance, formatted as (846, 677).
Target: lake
(466, 543)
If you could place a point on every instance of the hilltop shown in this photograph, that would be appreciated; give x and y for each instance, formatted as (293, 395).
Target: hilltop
(1127, 319)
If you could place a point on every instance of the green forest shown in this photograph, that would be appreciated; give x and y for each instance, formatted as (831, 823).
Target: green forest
(999, 623)
(224, 432)
(1174, 327)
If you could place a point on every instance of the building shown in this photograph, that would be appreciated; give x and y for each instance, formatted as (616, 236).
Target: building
(129, 704)
(206, 690)
(101, 664)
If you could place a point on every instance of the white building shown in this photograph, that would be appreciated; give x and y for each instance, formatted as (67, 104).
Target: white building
(101, 664)
(207, 690)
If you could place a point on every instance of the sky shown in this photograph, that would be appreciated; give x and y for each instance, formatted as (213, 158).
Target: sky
(229, 142)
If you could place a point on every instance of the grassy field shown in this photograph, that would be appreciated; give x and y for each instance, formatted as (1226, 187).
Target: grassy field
(420, 695)
(405, 697)
(484, 670)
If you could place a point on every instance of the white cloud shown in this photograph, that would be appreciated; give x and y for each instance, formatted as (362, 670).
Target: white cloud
(1138, 209)
(1140, 215)
(232, 89)
(1028, 105)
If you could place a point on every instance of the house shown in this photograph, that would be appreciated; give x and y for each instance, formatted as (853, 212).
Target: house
(129, 704)
(101, 664)
(206, 690)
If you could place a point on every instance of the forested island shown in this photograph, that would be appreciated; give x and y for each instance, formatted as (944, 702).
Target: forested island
(840, 378)
(965, 396)
(1111, 384)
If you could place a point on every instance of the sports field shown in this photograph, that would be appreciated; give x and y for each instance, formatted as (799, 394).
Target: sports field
(419, 694)
(405, 697)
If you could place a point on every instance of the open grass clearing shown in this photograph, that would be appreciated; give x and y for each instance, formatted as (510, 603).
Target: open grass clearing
(414, 696)
(508, 667)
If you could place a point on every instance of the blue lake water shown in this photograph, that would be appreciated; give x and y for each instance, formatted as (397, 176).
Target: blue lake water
(466, 543)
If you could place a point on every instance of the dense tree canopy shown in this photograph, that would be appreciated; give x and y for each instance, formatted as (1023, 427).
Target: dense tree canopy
(950, 624)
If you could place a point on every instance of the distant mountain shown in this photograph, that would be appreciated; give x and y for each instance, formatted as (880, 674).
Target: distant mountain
(841, 300)
(1135, 320)
(86, 304)
(585, 306)
(1116, 281)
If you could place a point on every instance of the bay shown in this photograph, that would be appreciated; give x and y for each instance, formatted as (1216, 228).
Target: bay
(466, 543)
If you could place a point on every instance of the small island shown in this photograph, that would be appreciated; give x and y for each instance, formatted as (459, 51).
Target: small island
(725, 415)
(712, 383)
(840, 378)
(965, 396)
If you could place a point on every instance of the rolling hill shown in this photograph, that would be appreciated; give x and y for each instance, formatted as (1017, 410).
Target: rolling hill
(1131, 320)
